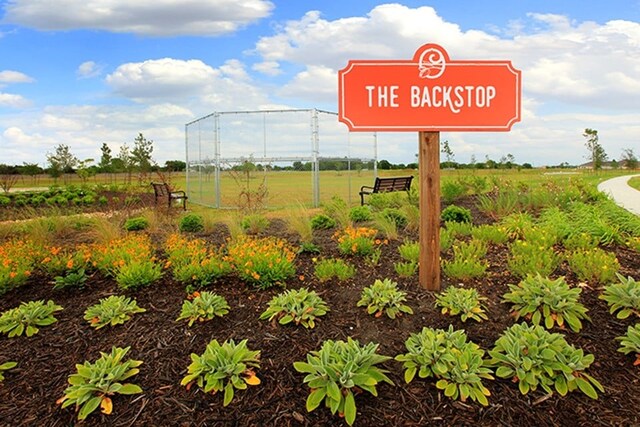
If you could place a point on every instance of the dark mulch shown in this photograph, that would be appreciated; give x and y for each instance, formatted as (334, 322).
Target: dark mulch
(28, 395)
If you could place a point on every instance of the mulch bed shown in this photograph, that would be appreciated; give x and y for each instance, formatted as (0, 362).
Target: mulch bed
(29, 392)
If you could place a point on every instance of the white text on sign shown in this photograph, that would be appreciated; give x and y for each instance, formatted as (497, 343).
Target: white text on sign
(455, 98)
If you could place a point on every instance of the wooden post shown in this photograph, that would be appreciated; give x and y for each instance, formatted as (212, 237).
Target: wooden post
(429, 164)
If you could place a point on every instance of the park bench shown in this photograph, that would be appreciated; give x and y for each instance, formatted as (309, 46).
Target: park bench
(163, 191)
(385, 185)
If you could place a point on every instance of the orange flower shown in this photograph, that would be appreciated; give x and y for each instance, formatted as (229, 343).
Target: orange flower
(27, 273)
(12, 275)
(70, 264)
(301, 277)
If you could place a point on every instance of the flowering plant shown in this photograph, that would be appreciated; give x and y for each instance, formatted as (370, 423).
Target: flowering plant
(356, 240)
(264, 261)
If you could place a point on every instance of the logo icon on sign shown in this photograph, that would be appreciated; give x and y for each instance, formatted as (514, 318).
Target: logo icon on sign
(432, 63)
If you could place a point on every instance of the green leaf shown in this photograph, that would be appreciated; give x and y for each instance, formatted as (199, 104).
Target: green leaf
(304, 368)
(228, 394)
(409, 374)
(586, 388)
(130, 389)
(349, 408)
(333, 391)
(315, 398)
(450, 390)
(89, 407)
(561, 385)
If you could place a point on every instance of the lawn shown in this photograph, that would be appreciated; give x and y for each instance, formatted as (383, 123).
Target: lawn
(547, 224)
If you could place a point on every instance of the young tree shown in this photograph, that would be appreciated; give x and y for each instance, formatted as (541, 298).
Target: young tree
(596, 153)
(8, 177)
(141, 153)
(84, 170)
(105, 158)
(32, 170)
(125, 161)
(448, 153)
(629, 158)
(62, 161)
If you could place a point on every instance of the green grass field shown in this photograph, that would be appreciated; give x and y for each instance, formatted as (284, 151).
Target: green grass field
(289, 188)
(635, 182)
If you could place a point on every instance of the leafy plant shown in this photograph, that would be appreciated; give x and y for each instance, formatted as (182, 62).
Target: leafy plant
(264, 261)
(356, 241)
(516, 224)
(93, 383)
(73, 279)
(17, 261)
(459, 228)
(467, 260)
(464, 302)
(529, 258)
(223, 368)
(448, 356)
(191, 223)
(447, 237)
(396, 215)
(204, 306)
(254, 223)
(384, 297)
(503, 203)
(451, 190)
(360, 214)
(405, 269)
(540, 299)
(453, 213)
(5, 367)
(579, 241)
(300, 306)
(490, 234)
(136, 223)
(594, 265)
(630, 342)
(322, 222)
(386, 225)
(138, 274)
(27, 317)
(337, 371)
(623, 297)
(410, 251)
(326, 269)
(193, 262)
(114, 310)
(534, 357)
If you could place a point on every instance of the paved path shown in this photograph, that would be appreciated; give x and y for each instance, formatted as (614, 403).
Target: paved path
(622, 193)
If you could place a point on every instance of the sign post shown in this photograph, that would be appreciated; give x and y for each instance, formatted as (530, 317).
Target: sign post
(429, 93)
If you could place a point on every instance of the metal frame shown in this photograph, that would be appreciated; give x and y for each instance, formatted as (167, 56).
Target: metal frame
(217, 161)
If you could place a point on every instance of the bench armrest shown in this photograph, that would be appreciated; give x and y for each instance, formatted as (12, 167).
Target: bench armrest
(367, 187)
(178, 193)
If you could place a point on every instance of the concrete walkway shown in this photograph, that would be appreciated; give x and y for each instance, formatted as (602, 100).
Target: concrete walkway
(621, 193)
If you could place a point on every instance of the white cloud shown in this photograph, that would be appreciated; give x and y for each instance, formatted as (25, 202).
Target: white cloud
(148, 17)
(190, 82)
(9, 76)
(13, 101)
(89, 69)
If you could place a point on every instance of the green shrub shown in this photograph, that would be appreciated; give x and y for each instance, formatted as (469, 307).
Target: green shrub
(384, 297)
(528, 258)
(337, 371)
(326, 269)
(630, 342)
(360, 214)
(453, 213)
(594, 265)
(468, 260)
(579, 241)
(449, 357)
(103, 201)
(263, 262)
(113, 310)
(137, 274)
(490, 234)
(299, 306)
(20, 201)
(459, 228)
(27, 317)
(451, 190)
(205, 306)
(254, 224)
(322, 222)
(136, 223)
(516, 224)
(540, 299)
(396, 215)
(405, 269)
(533, 357)
(356, 241)
(75, 278)
(460, 301)
(5, 201)
(191, 223)
(37, 200)
(623, 297)
(223, 368)
(410, 251)
(93, 383)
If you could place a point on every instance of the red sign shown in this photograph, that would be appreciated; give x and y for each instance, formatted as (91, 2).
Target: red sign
(429, 93)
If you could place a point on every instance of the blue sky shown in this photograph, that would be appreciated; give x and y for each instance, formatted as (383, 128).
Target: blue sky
(84, 72)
